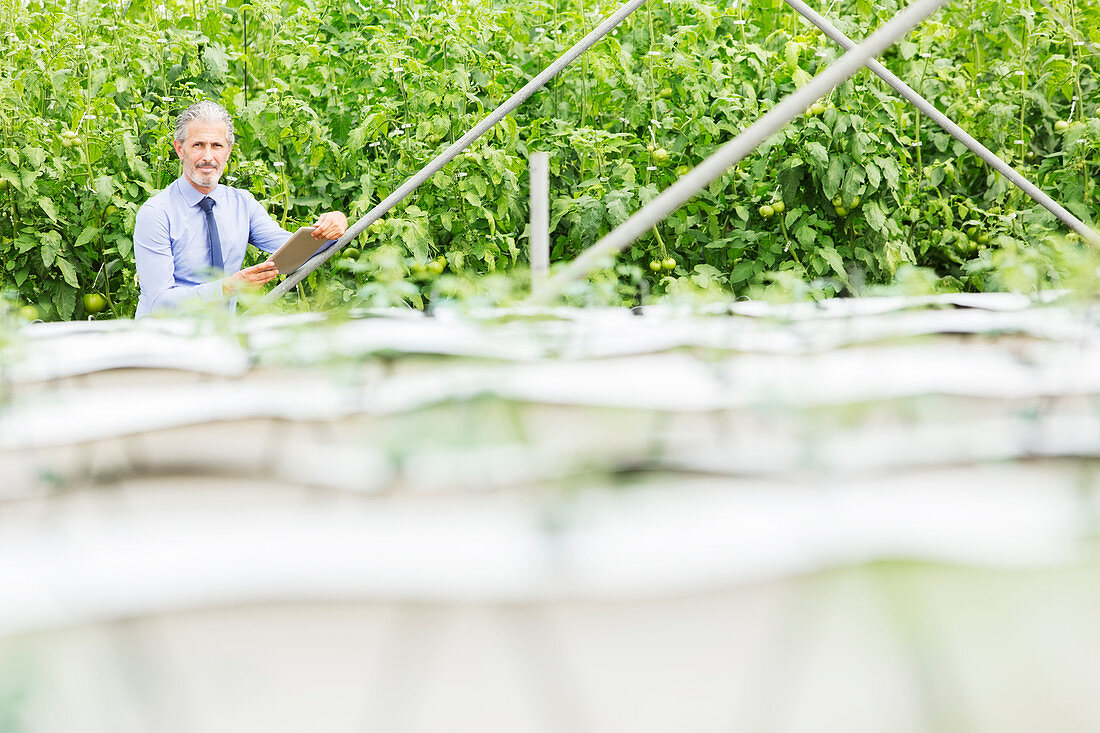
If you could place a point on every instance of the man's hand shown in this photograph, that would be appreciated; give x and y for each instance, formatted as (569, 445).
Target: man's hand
(254, 277)
(330, 225)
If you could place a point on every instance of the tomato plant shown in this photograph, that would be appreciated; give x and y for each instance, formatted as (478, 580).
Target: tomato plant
(337, 104)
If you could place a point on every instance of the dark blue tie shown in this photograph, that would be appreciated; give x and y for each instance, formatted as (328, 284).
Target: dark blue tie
(213, 241)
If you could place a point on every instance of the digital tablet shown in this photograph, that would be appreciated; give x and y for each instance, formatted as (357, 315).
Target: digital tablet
(296, 250)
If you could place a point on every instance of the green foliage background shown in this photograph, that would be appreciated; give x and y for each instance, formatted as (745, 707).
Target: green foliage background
(338, 102)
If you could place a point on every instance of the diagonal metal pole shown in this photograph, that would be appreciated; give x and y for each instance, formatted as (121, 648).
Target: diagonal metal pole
(732, 152)
(457, 147)
(951, 128)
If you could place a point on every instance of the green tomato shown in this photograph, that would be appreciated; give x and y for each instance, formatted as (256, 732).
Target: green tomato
(1061, 126)
(668, 263)
(665, 93)
(817, 109)
(655, 265)
(94, 303)
(779, 206)
(682, 170)
(660, 155)
(28, 313)
(435, 267)
(350, 253)
(766, 211)
(856, 202)
(841, 211)
(3, 184)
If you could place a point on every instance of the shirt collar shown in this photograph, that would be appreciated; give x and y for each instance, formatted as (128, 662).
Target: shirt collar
(192, 196)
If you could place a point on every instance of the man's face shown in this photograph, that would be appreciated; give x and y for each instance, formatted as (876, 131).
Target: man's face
(204, 153)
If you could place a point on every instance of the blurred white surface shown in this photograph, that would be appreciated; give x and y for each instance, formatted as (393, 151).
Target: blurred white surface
(858, 515)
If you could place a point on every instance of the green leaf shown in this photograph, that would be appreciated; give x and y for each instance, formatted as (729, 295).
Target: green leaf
(831, 256)
(415, 236)
(818, 153)
(137, 165)
(890, 170)
(874, 175)
(586, 217)
(559, 208)
(27, 177)
(833, 177)
(617, 203)
(49, 207)
(705, 275)
(49, 247)
(875, 215)
(36, 156)
(479, 185)
(356, 139)
(805, 234)
(87, 235)
(742, 271)
(25, 242)
(853, 182)
(64, 300)
(104, 188)
(11, 177)
(67, 271)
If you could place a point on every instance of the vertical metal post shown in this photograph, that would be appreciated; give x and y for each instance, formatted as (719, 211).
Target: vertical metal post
(410, 185)
(680, 192)
(539, 233)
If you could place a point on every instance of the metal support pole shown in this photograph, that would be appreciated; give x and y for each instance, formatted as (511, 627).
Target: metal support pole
(951, 128)
(457, 147)
(539, 233)
(732, 152)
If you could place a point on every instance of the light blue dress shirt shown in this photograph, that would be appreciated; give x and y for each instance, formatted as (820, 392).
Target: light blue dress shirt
(170, 245)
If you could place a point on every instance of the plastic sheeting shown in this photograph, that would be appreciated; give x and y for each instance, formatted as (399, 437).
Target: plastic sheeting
(559, 474)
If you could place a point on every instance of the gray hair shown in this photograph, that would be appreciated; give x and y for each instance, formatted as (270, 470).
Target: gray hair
(205, 111)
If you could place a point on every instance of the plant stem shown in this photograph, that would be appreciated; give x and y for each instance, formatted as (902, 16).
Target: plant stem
(244, 22)
(660, 242)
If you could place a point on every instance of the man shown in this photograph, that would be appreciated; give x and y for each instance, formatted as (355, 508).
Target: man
(188, 234)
